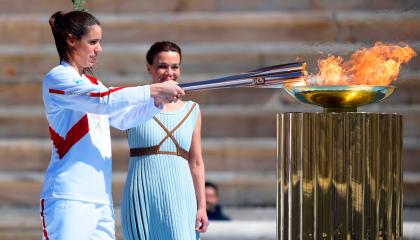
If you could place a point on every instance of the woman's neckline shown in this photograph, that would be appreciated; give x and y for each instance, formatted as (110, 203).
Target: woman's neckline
(184, 104)
(67, 64)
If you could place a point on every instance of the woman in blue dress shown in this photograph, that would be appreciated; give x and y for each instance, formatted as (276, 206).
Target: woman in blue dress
(164, 194)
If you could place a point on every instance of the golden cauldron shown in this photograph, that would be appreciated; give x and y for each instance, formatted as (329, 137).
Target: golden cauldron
(340, 98)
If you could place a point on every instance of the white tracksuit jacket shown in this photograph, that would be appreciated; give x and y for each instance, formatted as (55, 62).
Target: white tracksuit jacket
(79, 110)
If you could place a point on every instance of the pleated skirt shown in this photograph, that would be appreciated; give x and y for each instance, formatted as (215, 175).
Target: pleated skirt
(159, 201)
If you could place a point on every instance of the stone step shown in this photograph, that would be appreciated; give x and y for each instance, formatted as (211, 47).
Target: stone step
(233, 121)
(170, 6)
(239, 188)
(26, 91)
(246, 224)
(17, 63)
(24, 224)
(25, 217)
(219, 154)
(253, 26)
(29, 90)
(236, 121)
(411, 188)
(226, 230)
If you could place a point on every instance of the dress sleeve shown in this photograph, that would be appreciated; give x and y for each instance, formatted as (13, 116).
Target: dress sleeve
(197, 112)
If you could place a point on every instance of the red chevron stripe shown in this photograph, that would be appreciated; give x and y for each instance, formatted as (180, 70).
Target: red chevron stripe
(92, 94)
(103, 94)
(80, 129)
(44, 227)
(56, 91)
(92, 79)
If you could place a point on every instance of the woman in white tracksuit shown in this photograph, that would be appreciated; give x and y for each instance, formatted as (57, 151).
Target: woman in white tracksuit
(76, 199)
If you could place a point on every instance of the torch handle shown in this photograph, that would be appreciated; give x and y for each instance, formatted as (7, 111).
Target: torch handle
(252, 80)
(261, 72)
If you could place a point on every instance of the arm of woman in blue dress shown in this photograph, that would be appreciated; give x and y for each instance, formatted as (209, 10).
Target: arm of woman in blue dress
(196, 164)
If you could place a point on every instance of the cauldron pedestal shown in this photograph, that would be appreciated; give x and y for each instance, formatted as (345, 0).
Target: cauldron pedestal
(339, 176)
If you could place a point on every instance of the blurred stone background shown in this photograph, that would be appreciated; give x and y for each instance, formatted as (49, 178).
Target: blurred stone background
(218, 37)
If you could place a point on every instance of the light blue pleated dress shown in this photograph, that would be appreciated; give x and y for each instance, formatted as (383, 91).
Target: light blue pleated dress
(159, 201)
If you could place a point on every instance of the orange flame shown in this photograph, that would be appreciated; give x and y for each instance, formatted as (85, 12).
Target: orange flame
(379, 65)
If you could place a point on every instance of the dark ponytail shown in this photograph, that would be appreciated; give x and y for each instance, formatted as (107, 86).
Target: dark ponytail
(75, 23)
(59, 35)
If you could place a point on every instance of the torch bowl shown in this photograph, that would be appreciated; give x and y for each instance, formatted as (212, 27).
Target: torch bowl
(340, 98)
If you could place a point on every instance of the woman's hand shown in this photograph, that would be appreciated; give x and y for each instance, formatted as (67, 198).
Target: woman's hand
(201, 221)
(167, 91)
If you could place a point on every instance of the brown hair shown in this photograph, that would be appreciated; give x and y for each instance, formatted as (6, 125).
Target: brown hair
(212, 185)
(75, 23)
(164, 46)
